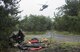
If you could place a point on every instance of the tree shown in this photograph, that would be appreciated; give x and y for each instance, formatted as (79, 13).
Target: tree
(8, 20)
(72, 7)
(71, 19)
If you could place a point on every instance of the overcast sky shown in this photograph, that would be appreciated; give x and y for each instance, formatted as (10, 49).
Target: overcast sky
(33, 7)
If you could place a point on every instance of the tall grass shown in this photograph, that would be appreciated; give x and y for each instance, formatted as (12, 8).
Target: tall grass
(35, 33)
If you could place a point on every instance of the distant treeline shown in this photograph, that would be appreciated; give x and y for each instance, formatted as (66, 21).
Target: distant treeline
(36, 23)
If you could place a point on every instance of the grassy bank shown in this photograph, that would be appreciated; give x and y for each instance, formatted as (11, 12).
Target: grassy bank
(35, 33)
(64, 47)
(66, 33)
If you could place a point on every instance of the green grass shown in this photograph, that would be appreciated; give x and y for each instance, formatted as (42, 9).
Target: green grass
(63, 47)
(35, 33)
(67, 33)
(71, 43)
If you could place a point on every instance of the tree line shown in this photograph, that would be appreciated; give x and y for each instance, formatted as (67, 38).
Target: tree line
(68, 17)
(36, 23)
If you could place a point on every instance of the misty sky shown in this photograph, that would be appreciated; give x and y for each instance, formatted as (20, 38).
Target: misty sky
(33, 7)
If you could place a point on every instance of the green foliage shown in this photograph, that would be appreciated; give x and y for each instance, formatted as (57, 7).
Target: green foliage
(8, 21)
(67, 23)
(36, 23)
(70, 20)
(64, 47)
(35, 33)
(72, 7)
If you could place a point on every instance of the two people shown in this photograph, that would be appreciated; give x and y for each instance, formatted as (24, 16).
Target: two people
(16, 38)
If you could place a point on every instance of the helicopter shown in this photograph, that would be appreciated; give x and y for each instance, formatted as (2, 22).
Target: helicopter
(43, 7)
